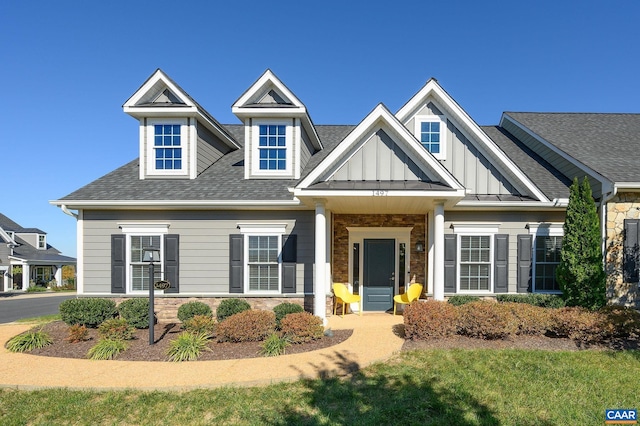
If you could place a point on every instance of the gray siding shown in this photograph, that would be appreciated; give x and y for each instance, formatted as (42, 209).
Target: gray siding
(511, 223)
(204, 245)
(565, 167)
(306, 149)
(210, 148)
(4, 255)
(380, 158)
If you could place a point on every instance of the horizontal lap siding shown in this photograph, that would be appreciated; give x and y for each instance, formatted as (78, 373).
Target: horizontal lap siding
(511, 223)
(204, 245)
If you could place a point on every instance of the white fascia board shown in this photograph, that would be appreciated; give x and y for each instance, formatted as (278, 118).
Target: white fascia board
(5, 236)
(607, 186)
(164, 111)
(314, 193)
(268, 77)
(432, 88)
(245, 112)
(82, 204)
(158, 75)
(555, 204)
(379, 114)
(627, 186)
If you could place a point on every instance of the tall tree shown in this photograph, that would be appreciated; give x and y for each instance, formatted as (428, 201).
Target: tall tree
(580, 274)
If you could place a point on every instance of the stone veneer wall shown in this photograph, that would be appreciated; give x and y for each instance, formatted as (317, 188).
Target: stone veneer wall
(622, 206)
(340, 260)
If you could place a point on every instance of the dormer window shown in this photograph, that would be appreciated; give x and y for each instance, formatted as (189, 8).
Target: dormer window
(430, 131)
(167, 147)
(272, 148)
(42, 241)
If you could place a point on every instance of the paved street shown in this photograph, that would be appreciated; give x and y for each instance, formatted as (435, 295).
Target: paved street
(17, 306)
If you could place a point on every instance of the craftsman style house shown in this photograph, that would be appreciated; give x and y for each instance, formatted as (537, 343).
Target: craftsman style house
(26, 258)
(277, 208)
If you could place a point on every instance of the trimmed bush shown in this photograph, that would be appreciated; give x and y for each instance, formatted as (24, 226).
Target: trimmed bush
(530, 320)
(247, 326)
(487, 320)
(135, 311)
(107, 349)
(283, 309)
(26, 342)
(187, 347)
(274, 345)
(625, 321)
(535, 299)
(301, 327)
(229, 307)
(430, 319)
(200, 324)
(191, 309)
(459, 300)
(77, 333)
(116, 329)
(89, 312)
(581, 325)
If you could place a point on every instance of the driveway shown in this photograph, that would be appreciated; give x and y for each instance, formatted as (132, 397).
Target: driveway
(15, 306)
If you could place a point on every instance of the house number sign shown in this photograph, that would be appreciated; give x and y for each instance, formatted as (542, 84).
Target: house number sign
(380, 193)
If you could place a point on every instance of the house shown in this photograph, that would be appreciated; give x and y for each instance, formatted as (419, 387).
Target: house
(26, 259)
(277, 208)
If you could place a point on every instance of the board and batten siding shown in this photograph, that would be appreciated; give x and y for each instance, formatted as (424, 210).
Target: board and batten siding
(210, 148)
(510, 223)
(566, 167)
(204, 245)
(306, 149)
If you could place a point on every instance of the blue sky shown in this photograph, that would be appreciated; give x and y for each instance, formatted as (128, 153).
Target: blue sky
(68, 66)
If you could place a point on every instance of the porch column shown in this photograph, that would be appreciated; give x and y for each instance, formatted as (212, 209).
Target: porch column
(58, 275)
(438, 252)
(26, 274)
(320, 290)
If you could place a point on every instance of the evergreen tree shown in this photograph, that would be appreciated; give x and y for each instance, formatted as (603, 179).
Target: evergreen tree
(580, 273)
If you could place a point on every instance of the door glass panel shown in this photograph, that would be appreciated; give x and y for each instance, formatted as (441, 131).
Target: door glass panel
(355, 273)
(402, 273)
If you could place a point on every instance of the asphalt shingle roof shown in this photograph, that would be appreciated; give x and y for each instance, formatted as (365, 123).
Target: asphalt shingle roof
(607, 143)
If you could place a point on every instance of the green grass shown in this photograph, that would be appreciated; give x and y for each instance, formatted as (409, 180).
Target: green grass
(439, 387)
(40, 320)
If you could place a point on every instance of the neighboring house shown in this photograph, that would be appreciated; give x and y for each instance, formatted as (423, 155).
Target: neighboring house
(277, 208)
(26, 258)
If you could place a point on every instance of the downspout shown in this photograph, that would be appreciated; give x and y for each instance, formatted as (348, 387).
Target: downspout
(65, 210)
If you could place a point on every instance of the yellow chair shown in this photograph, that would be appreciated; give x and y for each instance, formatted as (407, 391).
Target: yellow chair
(413, 293)
(343, 296)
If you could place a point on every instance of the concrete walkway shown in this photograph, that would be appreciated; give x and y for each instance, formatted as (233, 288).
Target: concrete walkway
(372, 340)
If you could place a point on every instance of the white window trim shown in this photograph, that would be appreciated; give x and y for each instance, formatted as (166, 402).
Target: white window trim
(542, 230)
(419, 119)
(261, 229)
(150, 147)
(476, 229)
(255, 148)
(44, 241)
(144, 230)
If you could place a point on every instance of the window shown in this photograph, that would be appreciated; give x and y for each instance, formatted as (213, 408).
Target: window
(167, 146)
(429, 131)
(546, 260)
(139, 270)
(264, 262)
(475, 263)
(42, 275)
(272, 147)
(42, 242)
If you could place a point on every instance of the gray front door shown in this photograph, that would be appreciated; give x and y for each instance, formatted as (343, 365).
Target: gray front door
(379, 274)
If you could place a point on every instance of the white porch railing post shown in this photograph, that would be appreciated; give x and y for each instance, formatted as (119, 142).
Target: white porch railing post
(320, 291)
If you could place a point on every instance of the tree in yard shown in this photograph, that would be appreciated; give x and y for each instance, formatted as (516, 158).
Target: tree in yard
(580, 273)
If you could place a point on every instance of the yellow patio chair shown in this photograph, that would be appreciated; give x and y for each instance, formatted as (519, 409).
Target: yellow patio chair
(343, 296)
(413, 293)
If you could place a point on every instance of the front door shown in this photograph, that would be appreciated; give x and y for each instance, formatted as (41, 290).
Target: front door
(379, 274)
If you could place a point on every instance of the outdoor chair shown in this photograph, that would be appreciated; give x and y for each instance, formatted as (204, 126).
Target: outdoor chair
(413, 293)
(342, 295)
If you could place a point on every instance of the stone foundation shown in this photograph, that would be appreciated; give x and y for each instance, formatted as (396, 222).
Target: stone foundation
(622, 206)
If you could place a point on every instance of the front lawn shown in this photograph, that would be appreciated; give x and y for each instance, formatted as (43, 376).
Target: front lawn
(438, 387)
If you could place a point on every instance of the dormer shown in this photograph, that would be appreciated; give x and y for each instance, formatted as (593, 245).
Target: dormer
(280, 137)
(178, 138)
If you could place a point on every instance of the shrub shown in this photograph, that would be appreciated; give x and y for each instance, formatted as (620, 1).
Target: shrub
(106, 349)
(136, 312)
(89, 312)
(191, 309)
(536, 299)
(26, 342)
(187, 347)
(459, 300)
(36, 289)
(530, 320)
(200, 324)
(624, 321)
(77, 333)
(230, 307)
(116, 329)
(274, 345)
(430, 319)
(581, 325)
(285, 308)
(246, 326)
(486, 320)
(301, 327)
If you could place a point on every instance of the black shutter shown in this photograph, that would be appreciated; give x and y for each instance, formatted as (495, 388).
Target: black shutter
(501, 263)
(524, 263)
(289, 259)
(236, 263)
(450, 262)
(172, 262)
(118, 263)
(631, 250)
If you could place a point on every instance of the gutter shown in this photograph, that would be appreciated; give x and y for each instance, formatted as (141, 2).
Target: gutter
(64, 208)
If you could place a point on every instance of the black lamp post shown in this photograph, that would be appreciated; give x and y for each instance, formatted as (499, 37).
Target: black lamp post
(151, 254)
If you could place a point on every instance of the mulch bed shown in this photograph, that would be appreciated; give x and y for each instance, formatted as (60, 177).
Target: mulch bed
(140, 350)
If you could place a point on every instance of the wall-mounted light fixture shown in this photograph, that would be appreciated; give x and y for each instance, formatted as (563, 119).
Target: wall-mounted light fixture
(419, 246)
